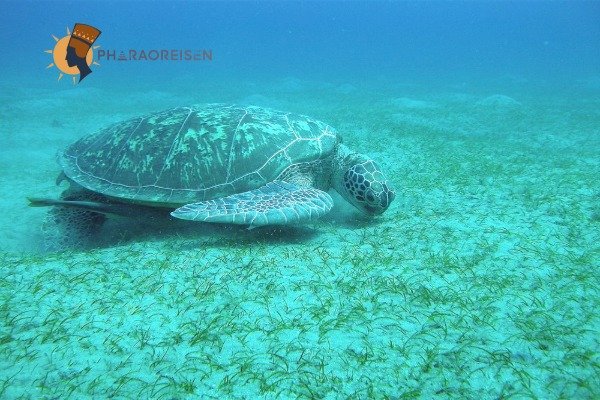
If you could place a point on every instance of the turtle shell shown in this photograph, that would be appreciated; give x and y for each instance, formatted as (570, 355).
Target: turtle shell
(196, 153)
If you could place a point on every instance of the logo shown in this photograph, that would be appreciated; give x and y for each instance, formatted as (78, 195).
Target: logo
(74, 53)
(156, 55)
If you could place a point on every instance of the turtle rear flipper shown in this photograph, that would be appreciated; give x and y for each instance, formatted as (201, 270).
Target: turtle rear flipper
(276, 203)
(73, 221)
(67, 228)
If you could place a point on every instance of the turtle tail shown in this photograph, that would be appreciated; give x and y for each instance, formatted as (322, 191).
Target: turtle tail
(98, 207)
(37, 202)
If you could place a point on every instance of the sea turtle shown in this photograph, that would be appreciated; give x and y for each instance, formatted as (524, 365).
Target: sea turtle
(215, 163)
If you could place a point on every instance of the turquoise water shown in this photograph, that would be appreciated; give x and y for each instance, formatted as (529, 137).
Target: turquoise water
(480, 281)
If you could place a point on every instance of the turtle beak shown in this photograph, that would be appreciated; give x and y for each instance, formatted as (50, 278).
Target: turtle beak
(379, 203)
(386, 197)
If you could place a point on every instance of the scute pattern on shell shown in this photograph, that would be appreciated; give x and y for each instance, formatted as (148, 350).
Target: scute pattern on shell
(195, 153)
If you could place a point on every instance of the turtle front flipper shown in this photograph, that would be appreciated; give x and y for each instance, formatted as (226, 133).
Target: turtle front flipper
(276, 203)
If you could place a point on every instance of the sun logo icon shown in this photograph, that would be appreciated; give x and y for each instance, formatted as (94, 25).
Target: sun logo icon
(74, 54)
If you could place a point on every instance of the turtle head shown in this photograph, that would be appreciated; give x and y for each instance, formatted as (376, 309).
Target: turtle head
(360, 181)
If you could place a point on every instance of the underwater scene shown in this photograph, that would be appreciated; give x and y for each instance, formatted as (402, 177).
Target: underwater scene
(300, 200)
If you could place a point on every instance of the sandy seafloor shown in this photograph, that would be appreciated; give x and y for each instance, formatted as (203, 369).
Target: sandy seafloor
(481, 280)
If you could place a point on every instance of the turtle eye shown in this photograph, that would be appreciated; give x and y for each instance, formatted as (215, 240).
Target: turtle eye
(370, 197)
